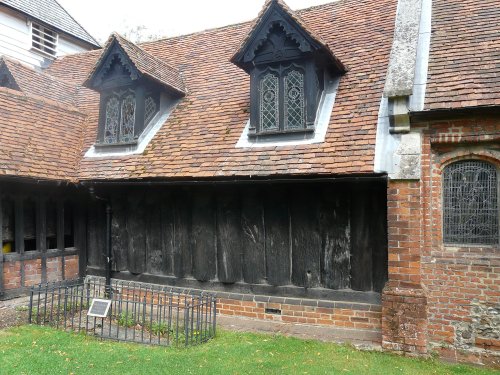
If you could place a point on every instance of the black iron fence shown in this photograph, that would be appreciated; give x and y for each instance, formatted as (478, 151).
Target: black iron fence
(142, 313)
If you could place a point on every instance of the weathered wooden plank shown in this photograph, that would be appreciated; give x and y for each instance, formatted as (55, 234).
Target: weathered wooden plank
(378, 234)
(154, 251)
(203, 235)
(361, 241)
(60, 235)
(253, 240)
(1, 244)
(167, 233)
(19, 225)
(136, 218)
(277, 227)
(182, 254)
(41, 234)
(306, 238)
(119, 232)
(96, 234)
(336, 238)
(80, 235)
(229, 251)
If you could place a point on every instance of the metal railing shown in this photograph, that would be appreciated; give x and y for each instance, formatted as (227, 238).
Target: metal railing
(141, 313)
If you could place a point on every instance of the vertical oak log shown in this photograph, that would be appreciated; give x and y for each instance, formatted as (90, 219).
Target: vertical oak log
(253, 240)
(167, 233)
(119, 233)
(306, 239)
(228, 236)
(41, 234)
(336, 238)
(1, 244)
(277, 226)
(203, 235)
(154, 251)
(183, 260)
(136, 219)
(361, 243)
(60, 235)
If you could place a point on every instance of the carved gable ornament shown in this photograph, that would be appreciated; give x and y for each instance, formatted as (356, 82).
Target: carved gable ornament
(114, 67)
(279, 34)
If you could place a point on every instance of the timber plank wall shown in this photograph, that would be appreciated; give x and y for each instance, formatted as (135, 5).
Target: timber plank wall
(320, 240)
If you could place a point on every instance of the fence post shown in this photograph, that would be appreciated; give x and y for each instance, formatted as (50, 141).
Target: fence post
(32, 291)
(215, 313)
(186, 320)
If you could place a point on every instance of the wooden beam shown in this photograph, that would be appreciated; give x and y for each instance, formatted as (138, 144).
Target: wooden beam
(19, 232)
(60, 235)
(41, 234)
(1, 245)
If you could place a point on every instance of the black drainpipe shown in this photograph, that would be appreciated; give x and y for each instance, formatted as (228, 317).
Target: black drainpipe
(108, 254)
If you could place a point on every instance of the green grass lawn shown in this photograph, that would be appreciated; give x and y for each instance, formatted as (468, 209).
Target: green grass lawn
(38, 350)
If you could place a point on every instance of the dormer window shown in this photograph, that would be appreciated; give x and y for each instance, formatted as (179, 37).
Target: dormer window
(120, 117)
(281, 100)
(288, 66)
(43, 39)
(136, 89)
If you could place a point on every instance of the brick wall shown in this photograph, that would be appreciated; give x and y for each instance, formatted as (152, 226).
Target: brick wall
(404, 300)
(20, 274)
(336, 314)
(457, 287)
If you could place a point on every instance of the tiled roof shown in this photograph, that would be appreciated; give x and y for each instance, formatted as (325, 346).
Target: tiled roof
(34, 82)
(53, 14)
(145, 63)
(200, 136)
(295, 16)
(40, 138)
(464, 60)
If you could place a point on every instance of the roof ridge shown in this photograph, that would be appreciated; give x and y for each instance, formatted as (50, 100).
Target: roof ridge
(78, 23)
(149, 54)
(9, 59)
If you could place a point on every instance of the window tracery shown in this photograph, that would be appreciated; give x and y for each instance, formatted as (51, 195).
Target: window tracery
(470, 203)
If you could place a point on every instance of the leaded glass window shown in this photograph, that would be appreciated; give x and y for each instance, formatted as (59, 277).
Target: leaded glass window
(112, 120)
(127, 119)
(470, 203)
(294, 100)
(269, 102)
(149, 109)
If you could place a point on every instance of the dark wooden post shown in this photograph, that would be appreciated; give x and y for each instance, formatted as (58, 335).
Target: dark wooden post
(41, 234)
(60, 235)
(1, 246)
(109, 258)
(19, 232)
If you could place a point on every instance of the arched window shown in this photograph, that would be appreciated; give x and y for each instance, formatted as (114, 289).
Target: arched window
(120, 118)
(281, 100)
(470, 203)
(269, 102)
(127, 119)
(112, 120)
(294, 100)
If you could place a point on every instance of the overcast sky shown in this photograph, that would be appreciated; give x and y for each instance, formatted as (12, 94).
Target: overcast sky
(166, 18)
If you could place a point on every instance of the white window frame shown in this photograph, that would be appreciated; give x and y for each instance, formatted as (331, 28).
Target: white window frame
(45, 40)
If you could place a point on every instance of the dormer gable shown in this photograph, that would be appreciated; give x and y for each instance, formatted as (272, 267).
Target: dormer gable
(115, 69)
(289, 66)
(279, 34)
(122, 61)
(136, 92)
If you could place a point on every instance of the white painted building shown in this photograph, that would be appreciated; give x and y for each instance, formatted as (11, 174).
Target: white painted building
(37, 31)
